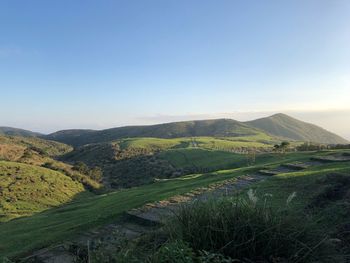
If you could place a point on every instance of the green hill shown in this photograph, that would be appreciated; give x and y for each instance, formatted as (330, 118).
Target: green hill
(279, 126)
(14, 147)
(135, 161)
(282, 125)
(26, 189)
(218, 128)
(23, 235)
(42, 153)
(17, 132)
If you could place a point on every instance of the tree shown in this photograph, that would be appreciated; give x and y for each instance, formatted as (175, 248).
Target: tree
(284, 146)
(81, 168)
(281, 148)
(96, 174)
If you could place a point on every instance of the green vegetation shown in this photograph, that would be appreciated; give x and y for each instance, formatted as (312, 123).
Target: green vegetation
(136, 161)
(214, 128)
(279, 125)
(39, 152)
(17, 132)
(199, 159)
(51, 226)
(27, 189)
(162, 161)
(14, 147)
(263, 224)
(284, 126)
(247, 228)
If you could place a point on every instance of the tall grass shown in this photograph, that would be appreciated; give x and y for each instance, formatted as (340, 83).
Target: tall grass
(248, 229)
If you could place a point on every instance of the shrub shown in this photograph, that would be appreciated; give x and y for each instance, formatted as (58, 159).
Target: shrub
(246, 229)
(174, 252)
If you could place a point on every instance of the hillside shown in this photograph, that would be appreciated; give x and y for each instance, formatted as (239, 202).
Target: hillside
(17, 132)
(13, 147)
(279, 126)
(42, 153)
(71, 220)
(27, 189)
(282, 125)
(218, 128)
(136, 161)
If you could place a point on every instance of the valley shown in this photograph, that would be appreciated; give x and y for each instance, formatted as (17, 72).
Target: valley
(62, 191)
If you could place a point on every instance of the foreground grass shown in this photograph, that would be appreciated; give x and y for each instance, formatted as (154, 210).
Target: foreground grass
(248, 230)
(295, 217)
(25, 234)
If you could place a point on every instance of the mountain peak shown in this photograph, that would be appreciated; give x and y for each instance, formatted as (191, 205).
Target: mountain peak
(285, 126)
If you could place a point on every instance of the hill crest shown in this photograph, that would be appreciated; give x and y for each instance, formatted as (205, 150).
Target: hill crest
(285, 126)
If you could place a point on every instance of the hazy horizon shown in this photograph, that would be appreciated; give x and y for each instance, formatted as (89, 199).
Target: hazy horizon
(84, 64)
(328, 120)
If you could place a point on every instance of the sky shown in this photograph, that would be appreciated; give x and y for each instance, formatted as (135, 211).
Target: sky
(99, 64)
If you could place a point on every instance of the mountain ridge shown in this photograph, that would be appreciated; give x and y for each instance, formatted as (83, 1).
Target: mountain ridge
(278, 125)
(283, 126)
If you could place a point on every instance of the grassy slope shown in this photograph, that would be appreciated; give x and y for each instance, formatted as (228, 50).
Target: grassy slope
(306, 183)
(220, 127)
(39, 152)
(208, 159)
(95, 153)
(135, 161)
(50, 148)
(24, 234)
(28, 189)
(317, 193)
(202, 158)
(285, 126)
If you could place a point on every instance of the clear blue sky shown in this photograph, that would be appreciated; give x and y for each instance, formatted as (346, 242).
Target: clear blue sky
(72, 64)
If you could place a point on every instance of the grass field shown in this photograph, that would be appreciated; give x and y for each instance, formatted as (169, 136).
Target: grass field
(229, 143)
(209, 159)
(25, 234)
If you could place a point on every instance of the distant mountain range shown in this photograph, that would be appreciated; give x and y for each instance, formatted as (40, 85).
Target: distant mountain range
(278, 125)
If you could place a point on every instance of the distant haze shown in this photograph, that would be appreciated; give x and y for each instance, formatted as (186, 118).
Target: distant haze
(337, 121)
(332, 120)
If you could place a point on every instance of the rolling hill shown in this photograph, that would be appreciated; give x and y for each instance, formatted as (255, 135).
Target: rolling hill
(217, 128)
(279, 126)
(13, 147)
(136, 161)
(32, 157)
(18, 132)
(284, 126)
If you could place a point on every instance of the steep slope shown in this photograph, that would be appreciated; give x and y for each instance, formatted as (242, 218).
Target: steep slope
(282, 125)
(42, 153)
(219, 127)
(18, 132)
(26, 189)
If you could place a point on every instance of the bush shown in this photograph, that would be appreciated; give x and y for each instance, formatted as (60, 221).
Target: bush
(174, 252)
(244, 229)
